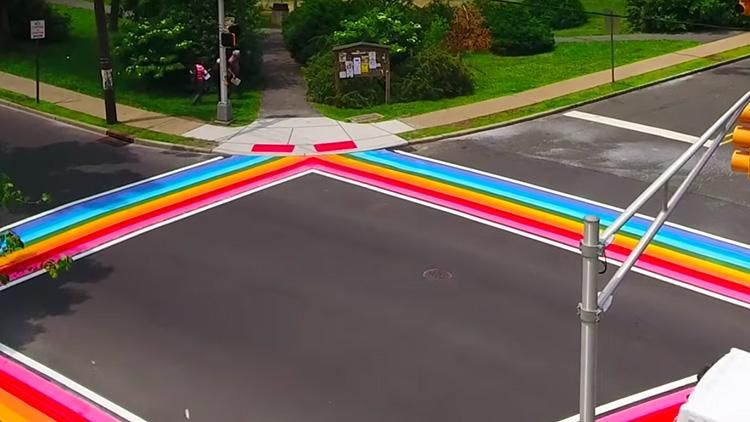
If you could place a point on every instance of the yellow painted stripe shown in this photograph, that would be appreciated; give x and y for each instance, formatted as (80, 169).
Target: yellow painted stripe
(114, 218)
(13, 409)
(667, 254)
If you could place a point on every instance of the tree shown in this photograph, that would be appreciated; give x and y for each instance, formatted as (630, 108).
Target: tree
(10, 242)
(114, 15)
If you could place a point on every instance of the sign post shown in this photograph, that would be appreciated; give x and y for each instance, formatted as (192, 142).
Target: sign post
(363, 60)
(37, 33)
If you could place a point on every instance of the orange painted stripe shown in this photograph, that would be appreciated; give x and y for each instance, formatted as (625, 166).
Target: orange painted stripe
(31, 251)
(13, 409)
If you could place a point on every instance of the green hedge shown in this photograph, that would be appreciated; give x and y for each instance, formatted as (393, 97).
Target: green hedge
(680, 16)
(560, 14)
(515, 31)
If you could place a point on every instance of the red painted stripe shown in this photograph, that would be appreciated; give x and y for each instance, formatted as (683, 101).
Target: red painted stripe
(335, 146)
(272, 148)
(38, 260)
(37, 400)
(542, 226)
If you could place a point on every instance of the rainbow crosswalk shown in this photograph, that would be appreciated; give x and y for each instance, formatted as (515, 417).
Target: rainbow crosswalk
(686, 257)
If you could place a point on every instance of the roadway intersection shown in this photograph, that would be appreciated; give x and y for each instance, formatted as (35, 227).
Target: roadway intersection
(314, 300)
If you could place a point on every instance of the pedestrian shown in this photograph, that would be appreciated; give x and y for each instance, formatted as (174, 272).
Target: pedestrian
(200, 76)
(233, 70)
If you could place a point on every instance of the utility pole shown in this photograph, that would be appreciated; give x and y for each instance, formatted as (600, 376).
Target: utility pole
(224, 108)
(105, 62)
(588, 311)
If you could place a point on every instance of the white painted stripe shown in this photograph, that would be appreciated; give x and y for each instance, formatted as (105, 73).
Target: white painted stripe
(98, 195)
(70, 384)
(540, 239)
(636, 127)
(570, 196)
(626, 401)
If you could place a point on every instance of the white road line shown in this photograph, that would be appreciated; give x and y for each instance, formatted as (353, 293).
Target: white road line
(534, 237)
(577, 198)
(98, 195)
(637, 127)
(70, 384)
(626, 401)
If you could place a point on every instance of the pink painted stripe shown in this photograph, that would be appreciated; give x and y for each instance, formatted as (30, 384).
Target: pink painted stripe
(335, 146)
(83, 247)
(272, 148)
(55, 392)
(650, 407)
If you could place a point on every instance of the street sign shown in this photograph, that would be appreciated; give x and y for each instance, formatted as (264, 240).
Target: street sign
(37, 30)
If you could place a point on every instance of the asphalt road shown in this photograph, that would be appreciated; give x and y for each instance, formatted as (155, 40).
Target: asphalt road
(45, 156)
(274, 308)
(277, 308)
(614, 165)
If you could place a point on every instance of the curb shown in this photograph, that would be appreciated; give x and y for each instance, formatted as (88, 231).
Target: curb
(550, 112)
(98, 130)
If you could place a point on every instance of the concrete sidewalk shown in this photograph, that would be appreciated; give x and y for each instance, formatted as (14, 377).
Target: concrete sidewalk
(95, 106)
(570, 86)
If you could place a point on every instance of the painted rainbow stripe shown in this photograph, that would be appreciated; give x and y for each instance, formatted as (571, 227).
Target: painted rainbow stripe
(679, 254)
(692, 258)
(26, 396)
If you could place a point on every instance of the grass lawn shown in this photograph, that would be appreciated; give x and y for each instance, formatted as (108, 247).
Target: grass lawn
(595, 25)
(74, 64)
(581, 96)
(496, 76)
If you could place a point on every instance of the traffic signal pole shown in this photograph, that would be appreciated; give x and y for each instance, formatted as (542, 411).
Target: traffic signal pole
(224, 107)
(594, 304)
(105, 63)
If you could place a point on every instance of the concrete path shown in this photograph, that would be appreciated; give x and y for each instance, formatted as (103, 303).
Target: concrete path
(284, 92)
(593, 80)
(702, 37)
(302, 136)
(95, 106)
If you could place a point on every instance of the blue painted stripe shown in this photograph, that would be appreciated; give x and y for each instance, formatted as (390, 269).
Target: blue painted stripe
(672, 236)
(44, 226)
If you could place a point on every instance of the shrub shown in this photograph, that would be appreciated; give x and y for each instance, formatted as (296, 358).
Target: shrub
(560, 14)
(436, 33)
(515, 32)
(20, 12)
(155, 50)
(671, 16)
(307, 29)
(468, 30)
(389, 26)
(432, 74)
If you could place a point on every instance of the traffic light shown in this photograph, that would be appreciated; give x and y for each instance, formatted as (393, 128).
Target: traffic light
(741, 139)
(743, 7)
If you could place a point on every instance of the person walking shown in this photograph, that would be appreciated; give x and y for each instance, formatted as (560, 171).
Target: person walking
(200, 76)
(233, 71)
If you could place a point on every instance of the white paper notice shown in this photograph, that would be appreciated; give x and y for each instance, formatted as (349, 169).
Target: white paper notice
(373, 60)
(349, 69)
(357, 65)
(342, 74)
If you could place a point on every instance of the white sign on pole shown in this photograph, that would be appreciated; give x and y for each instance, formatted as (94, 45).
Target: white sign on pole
(37, 30)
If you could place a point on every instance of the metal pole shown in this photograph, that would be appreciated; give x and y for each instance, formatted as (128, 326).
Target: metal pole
(105, 62)
(612, 42)
(37, 71)
(224, 108)
(588, 311)
(665, 198)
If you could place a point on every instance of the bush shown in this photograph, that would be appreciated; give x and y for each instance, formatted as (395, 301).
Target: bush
(20, 12)
(671, 16)
(432, 74)
(307, 29)
(155, 50)
(560, 14)
(515, 32)
(389, 26)
(468, 30)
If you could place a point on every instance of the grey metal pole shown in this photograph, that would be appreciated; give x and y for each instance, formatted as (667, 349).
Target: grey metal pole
(588, 311)
(224, 108)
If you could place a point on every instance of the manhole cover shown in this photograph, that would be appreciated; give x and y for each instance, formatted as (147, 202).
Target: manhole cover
(437, 274)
